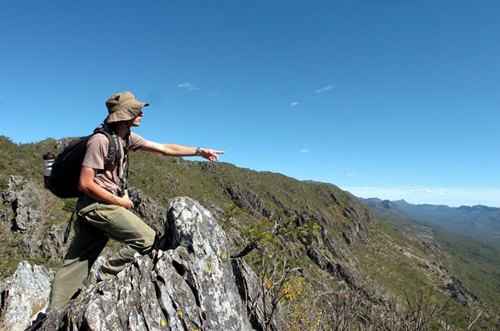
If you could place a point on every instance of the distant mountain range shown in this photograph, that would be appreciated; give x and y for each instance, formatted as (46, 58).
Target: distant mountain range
(479, 222)
(469, 235)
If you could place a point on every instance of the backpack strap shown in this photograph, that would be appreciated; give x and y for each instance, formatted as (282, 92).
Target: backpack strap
(124, 179)
(114, 151)
(115, 154)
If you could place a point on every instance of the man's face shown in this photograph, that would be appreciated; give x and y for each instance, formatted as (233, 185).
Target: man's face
(137, 120)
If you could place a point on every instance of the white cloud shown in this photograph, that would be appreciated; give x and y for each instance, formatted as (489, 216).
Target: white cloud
(294, 103)
(304, 150)
(451, 196)
(188, 86)
(324, 89)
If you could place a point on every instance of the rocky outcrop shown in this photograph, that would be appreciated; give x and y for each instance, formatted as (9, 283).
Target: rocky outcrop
(22, 200)
(148, 209)
(23, 295)
(337, 269)
(458, 292)
(190, 283)
(24, 210)
(248, 200)
(52, 246)
(356, 229)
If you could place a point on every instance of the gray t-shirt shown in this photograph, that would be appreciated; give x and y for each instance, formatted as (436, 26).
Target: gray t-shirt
(97, 150)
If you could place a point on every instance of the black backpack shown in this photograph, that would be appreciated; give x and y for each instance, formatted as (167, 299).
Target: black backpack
(64, 176)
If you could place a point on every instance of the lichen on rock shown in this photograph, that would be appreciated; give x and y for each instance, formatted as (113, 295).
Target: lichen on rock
(190, 283)
(24, 200)
(23, 295)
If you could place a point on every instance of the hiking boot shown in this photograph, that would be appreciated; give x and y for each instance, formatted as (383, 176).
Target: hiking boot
(38, 322)
(161, 242)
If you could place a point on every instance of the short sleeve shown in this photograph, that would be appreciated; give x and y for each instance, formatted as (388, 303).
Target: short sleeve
(136, 142)
(97, 149)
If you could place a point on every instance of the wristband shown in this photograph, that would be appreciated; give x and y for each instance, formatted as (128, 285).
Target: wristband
(198, 151)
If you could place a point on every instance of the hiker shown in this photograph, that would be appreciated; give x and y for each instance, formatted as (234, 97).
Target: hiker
(103, 211)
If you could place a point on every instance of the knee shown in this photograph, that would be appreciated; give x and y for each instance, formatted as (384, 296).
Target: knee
(148, 240)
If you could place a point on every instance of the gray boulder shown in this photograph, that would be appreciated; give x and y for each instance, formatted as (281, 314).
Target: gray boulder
(51, 246)
(191, 283)
(23, 295)
(24, 201)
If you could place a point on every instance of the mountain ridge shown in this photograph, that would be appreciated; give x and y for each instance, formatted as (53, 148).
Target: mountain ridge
(477, 222)
(471, 243)
(340, 246)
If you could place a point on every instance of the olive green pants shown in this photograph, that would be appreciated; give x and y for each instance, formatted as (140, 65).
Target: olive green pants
(96, 223)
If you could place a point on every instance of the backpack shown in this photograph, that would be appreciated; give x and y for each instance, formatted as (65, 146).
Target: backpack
(62, 172)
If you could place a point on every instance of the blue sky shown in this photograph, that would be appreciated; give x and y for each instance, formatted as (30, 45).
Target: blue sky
(395, 99)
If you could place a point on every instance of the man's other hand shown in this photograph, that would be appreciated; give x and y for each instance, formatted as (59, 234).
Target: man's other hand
(125, 202)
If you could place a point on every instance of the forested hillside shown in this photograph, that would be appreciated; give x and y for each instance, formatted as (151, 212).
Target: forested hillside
(342, 265)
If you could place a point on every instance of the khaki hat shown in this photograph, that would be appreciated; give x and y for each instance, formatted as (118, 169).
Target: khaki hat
(123, 106)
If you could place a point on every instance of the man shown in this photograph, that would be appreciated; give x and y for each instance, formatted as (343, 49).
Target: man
(103, 211)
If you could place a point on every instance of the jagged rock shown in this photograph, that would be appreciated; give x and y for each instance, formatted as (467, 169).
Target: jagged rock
(250, 289)
(334, 198)
(248, 200)
(338, 270)
(192, 285)
(347, 238)
(458, 292)
(148, 209)
(357, 226)
(5, 213)
(23, 295)
(305, 216)
(24, 200)
(281, 206)
(52, 244)
(330, 243)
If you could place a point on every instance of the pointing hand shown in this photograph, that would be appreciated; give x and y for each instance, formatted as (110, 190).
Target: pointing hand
(210, 154)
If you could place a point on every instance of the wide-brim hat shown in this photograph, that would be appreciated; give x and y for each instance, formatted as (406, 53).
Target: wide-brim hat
(123, 106)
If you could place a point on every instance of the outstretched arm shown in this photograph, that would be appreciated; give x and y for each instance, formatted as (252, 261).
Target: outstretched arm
(180, 150)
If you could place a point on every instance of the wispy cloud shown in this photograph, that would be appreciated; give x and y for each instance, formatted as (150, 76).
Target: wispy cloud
(304, 150)
(294, 104)
(324, 89)
(188, 86)
(451, 196)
